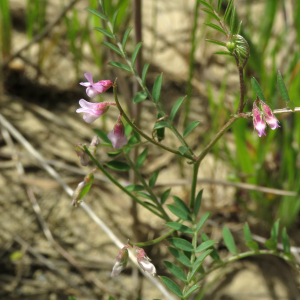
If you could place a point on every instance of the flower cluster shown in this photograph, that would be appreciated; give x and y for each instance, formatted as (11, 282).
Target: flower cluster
(260, 117)
(142, 259)
(92, 111)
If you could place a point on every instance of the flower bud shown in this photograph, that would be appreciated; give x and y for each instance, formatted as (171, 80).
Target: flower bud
(144, 261)
(121, 261)
(84, 158)
(117, 135)
(269, 116)
(258, 121)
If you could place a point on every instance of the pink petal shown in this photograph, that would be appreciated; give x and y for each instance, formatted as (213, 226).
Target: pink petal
(89, 77)
(99, 88)
(90, 118)
(91, 92)
(85, 104)
(85, 84)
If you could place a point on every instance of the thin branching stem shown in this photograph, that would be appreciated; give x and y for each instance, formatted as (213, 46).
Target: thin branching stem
(144, 135)
(114, 181)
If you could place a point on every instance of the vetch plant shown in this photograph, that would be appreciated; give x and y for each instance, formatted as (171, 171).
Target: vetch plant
(191, 253)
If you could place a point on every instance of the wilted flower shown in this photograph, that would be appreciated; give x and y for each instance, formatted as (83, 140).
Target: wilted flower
(117, 136)
(121, 261)
(84, 158)
(258, 121)
(144, 261)
(92, 110)
(269, 116)
(93, 89)
(77, 193)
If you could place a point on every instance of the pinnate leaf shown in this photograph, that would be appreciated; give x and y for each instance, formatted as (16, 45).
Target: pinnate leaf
(96, 13)
(120, 66)
(118, 165)
(125, 37)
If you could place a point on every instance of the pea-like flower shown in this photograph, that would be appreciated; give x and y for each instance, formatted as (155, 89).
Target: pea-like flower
(93, 110)
(269, 116)
(117, 136)
(93, 89)
(121, 261)
(144, 261)
(258, 121)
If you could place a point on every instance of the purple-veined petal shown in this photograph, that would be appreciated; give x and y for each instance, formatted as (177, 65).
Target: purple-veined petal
(89, 77)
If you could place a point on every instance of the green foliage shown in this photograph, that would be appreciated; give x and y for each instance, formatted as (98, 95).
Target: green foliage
(190, 128)
(113, 47)
(141, 158)
(176, 271)
(182, 258)
(257, 89)
(176, 108)
(118, 165)
(179, 212)
(181, 204)
(171, 285)
(181, 244)
(135, 53)
(205, 245)
(203, 220)
(165, 196)
(144, 73)
(179, 227)
(120, 66)
(153, 179)
(216, 27)
(96, 13)
(198, 202)
(134, 188)
(157, 88)
(229, 241)
(125, 38)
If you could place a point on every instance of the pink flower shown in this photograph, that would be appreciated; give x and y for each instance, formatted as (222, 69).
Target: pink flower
(258, 121)
(93, 89)
(144, 261)
(269, 116)
(117, 135)
(121, 261)
(92, 110)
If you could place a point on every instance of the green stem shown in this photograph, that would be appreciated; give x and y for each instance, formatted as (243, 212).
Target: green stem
(102, 169)
(216, 138)
(194, 183)
(193, 256)
(192, 66)
(148, 138)
(146, 186)
(155, 241)
(246, 254)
